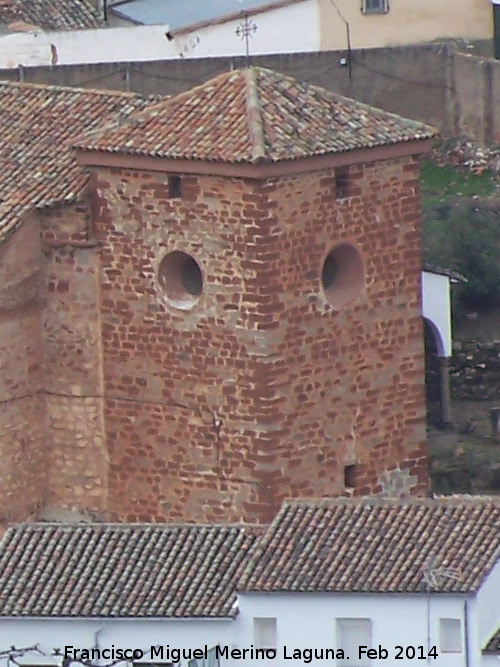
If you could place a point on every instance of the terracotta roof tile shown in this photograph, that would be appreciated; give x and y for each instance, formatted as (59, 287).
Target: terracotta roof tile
(376, 546)
(37, 161)
(255, 115)
(51, 14)
(109, 570)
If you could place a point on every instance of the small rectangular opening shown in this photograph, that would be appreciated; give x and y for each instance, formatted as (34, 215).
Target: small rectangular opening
(350, 477)
(341, 182)
(450, 633)
(264, 630)
(375, 6)
(174, 187)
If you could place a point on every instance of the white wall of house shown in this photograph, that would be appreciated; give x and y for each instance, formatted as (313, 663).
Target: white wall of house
(437, 309)
(293, 28)
(85, 46)
(304, 621)
(309, 621)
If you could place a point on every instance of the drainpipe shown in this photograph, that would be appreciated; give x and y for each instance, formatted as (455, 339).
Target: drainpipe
(466, 633)
(496, 27)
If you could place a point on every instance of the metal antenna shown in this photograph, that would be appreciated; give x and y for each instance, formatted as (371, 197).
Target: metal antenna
(245, 30)
(434, 577)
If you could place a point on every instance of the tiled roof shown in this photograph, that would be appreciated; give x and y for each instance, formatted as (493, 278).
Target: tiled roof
(493, 645)
(105, 570)
(37, 164)
(188, 15)
(256, 115)
(51, 14)
(376, 546)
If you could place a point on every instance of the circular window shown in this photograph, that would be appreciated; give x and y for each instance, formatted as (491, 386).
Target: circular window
(180, 276)
(343, 274)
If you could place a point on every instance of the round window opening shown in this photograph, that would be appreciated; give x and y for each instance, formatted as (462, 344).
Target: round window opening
(343, 274)
(180, 276)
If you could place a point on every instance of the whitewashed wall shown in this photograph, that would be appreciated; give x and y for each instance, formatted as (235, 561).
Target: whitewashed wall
(308, 621)
(294, 28)
(303, 621)
(436, 308)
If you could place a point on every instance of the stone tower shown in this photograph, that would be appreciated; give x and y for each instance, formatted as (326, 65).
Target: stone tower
(259, 290)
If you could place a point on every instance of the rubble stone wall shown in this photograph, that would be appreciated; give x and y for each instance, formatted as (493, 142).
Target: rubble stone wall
(23, 471)
(475, 371)
(263, 389)
(77, 456)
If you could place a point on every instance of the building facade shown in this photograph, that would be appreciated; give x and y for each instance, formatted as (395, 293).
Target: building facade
(231, 315)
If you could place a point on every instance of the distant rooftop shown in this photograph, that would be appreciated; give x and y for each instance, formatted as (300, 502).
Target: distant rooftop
(179, 15)
(50, 14)
(39, 123)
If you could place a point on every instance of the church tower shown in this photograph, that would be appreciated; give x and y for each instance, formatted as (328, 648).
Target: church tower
(259, 290)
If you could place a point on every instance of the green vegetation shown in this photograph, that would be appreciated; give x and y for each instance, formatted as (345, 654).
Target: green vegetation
(461, 220)
(442, 183)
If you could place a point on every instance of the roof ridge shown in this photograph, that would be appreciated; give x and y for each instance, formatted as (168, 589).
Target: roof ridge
(124, 525)
(254, 115)
(373, 501)
(73, 89)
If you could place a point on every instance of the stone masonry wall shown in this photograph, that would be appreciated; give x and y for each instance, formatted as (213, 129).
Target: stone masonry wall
(262, 390)
(77, 455)
(23, 472)
(475, 371)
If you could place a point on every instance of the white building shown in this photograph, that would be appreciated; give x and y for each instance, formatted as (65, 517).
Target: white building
(331, 575)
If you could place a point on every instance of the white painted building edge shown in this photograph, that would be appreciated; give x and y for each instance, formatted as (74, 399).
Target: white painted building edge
(436, 308)
(293, 28)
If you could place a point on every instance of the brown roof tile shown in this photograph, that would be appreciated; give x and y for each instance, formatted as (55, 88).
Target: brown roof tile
(51, 14)
(39, 123)
(109, 570)
(376, 546)
(254, 115)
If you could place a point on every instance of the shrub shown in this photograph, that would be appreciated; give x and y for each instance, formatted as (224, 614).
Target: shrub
(466, 238)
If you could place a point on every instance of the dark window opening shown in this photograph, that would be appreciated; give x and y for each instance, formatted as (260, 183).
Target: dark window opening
(174, 187)
(375, 6)
(191, 277)
(350, 477)
(342, 182)
(330, 271)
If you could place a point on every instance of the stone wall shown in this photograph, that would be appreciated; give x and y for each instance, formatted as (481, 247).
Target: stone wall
(262, 389)
(76, 453)
(23, 472)
(475, 371)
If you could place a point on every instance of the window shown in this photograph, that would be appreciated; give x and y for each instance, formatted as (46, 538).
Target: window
(351, 634)
(180, 277)
(342, 274)
(350, 477)
(264, 632)
(174, 187)
(450, 635)
(341, 182)
(375, 6)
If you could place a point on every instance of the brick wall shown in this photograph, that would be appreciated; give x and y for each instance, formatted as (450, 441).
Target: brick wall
(262, 390)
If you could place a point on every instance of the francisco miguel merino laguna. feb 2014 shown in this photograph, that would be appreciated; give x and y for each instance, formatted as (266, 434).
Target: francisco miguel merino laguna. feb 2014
(175, 655)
